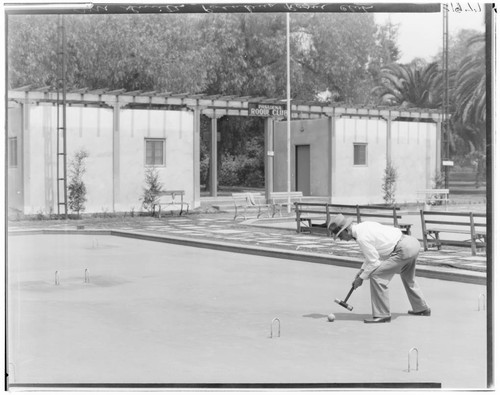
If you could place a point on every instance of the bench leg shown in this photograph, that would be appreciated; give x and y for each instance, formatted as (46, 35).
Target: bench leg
(473, 247)
(301, 226)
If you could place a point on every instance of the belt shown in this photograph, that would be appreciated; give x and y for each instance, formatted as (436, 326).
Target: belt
(396, 246)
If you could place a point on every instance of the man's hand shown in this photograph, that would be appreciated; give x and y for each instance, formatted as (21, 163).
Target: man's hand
(358, 281)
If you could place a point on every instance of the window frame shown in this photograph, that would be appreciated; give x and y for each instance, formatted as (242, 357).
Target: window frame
(355, 145)
(164, 155)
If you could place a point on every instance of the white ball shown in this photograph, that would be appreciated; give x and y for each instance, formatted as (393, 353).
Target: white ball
(331, 317)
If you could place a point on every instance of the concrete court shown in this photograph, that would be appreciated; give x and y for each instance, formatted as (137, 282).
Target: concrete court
(164, 313)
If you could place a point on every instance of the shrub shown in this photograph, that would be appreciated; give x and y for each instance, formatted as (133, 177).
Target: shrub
(153, 188)
(77, 189)
(389, 184)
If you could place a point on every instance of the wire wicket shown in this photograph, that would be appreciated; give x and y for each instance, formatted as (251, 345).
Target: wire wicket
(409, 358)
(483, 297)
(279, 326)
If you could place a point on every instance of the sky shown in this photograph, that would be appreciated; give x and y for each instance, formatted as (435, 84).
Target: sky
(421, 34)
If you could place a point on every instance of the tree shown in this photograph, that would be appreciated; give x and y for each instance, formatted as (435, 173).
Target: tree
(470, 89)
(131, 52)
(338, 53)
(417, 84)
(152, 190)
(389, 184)
(77, 189)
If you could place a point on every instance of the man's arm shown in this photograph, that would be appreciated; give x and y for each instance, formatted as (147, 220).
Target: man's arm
(372, 259)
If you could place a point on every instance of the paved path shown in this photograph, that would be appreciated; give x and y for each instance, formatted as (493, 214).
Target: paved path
(278, 234)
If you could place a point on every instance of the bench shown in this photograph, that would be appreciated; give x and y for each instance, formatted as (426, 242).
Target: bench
(170, 201)
(244, 201)
(434, 196)
(280, 200)
(314, 217)
(436, 223)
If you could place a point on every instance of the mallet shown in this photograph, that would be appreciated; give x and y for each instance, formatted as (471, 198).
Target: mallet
(343, 303)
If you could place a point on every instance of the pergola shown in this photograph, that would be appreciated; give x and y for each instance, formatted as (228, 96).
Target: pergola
(214, 107)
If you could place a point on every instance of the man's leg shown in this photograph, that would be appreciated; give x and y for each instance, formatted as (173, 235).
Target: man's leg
(415, 295)
(379, 287)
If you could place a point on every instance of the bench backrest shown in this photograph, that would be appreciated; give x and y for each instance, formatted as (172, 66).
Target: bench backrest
(250, 198)
(454, 219)
(445, 191)
(172, 193)
(358, 211)
(286, 194)
(244, 195)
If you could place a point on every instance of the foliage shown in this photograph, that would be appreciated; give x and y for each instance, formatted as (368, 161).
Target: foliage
(131, 52)
(338, 53)
(466, 61)
(414, 85)
(470, 89)
(152, 189)
(243, 170)
(438, 180)
(389, 184)
(77, 189)
(477, 159)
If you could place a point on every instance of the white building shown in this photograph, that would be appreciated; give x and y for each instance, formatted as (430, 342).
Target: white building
(336, 153)
(344, 157)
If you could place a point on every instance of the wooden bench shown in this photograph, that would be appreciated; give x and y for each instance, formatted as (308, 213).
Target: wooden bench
(436, 223)
(171, 201)
(245, 201)
(280, 200)
(313, 218)
(434, 196)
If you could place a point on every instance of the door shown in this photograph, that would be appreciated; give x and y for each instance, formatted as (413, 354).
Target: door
(303, 169)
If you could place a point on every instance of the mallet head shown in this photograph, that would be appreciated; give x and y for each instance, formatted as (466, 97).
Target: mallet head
(344, 304)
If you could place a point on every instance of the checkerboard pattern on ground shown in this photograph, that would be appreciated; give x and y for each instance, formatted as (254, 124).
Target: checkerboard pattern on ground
(217, 227)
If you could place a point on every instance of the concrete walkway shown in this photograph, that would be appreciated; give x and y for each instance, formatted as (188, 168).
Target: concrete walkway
(277, 235)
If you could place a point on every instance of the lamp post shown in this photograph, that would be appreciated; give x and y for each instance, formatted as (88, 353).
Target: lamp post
(289, 112)
(446, 100)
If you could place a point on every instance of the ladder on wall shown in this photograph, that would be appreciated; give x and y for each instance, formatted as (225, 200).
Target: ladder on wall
(62, 187)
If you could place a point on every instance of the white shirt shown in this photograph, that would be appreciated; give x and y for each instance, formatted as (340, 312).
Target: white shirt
(376, 241)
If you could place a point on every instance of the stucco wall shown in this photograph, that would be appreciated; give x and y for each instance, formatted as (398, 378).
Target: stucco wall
(87, 128)
(359, 184)
(14, 173)
(176, 127)
(413, 153)
(315, 134)
(92, 129)
(414, 148)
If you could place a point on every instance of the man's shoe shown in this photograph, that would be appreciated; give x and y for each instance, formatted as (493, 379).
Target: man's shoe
(377, 320)
(426, 312)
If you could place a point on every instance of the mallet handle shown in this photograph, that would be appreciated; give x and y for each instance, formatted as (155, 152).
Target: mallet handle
(349, 294)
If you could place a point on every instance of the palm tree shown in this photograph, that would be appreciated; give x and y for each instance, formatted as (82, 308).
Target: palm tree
(469, 97)
(470, 88)
(410, 85)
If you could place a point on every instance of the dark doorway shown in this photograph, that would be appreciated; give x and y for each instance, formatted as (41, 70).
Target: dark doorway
(303, 169)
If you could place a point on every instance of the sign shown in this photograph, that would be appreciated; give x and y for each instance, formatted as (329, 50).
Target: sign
(447, 163)
(267, 110)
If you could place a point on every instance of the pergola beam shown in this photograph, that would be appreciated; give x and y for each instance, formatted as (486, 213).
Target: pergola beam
(224, 105)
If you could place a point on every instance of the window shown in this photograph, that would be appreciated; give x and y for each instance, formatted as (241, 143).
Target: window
(360, 154)
(155, 152)
(12, 153)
